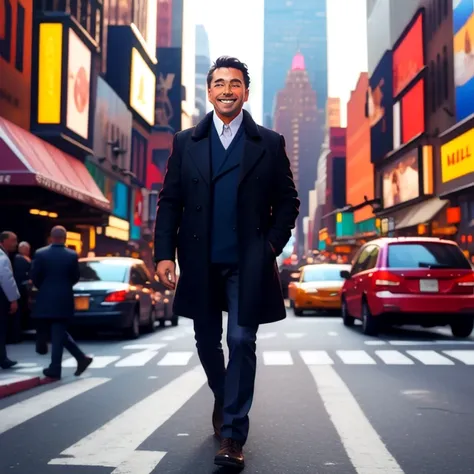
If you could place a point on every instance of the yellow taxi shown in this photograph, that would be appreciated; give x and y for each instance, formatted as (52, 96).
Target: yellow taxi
(318, 288)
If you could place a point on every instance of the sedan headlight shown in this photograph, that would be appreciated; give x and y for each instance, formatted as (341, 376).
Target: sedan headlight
(311, 290)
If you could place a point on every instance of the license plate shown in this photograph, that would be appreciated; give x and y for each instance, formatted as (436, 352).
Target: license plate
(429, 286)
(81, 303)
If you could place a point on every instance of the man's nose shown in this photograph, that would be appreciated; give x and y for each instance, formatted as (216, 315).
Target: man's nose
(228, 90)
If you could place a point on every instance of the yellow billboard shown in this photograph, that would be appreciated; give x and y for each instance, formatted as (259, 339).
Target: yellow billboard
(142, 88)
(457, 157)
(49, 73)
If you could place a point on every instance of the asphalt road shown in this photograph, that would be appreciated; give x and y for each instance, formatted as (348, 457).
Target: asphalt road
(328, 400)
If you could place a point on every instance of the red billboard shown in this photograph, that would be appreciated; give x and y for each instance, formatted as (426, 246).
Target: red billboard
(413, 112)
(408, 56)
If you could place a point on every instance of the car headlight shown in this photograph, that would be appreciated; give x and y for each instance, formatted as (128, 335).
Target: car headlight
(311, 290)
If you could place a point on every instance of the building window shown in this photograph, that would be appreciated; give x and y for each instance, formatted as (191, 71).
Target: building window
(446, 8)
(445, 73)
(433, 86)
(440, 88)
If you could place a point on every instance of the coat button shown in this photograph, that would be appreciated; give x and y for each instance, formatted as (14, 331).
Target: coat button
(195, 237)
(257, 178)
(234, 229)
(258, 229)
(195, 180)
(198, 208)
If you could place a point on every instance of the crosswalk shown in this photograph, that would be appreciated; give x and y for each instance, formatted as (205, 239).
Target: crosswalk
(116, 441)
(353, 357)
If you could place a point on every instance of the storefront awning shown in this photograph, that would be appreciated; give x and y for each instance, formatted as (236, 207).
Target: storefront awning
(421, 213)
(26, 160)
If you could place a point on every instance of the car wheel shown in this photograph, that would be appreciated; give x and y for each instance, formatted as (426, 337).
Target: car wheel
(133, 332)
(462, 327)
(150, 327)
(347, 319)
(369, 323)
(297, 311)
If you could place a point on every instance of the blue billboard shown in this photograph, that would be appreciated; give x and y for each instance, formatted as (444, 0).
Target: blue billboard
(463, 30)
(380, 108)
(168, 88)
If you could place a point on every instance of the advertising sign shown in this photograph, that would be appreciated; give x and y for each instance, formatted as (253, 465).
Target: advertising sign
(380, 108)
(413, 112)
(112, 122)
(463, 26)
(408, 56)
(457, 157)
(16, 26)
(78, 86)
(401, 181)
(142, 88)
(50, 73)
(168, 88)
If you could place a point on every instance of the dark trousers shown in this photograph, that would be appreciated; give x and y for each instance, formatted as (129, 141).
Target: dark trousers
(60, 339)
(232, 387)
(3, 334)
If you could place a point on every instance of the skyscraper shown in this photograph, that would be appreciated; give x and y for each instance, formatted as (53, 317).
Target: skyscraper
(203, 64)
(291, 26)
(297, 119)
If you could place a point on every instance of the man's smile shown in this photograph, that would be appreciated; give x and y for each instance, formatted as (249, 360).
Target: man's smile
(227, 101)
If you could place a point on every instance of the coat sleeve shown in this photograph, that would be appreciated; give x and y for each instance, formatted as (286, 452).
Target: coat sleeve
(169, 209)
(7, 281)
(285, 202)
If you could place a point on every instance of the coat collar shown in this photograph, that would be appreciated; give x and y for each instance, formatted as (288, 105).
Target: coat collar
(202, 128)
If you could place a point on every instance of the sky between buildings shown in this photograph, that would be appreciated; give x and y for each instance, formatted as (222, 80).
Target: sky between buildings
(236, 28)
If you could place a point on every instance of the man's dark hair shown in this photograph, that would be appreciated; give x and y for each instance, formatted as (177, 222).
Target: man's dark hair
(5, 235)
(229, 62)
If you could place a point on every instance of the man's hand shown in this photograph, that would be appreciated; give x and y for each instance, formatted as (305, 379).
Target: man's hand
(166, 271)
(13, 307)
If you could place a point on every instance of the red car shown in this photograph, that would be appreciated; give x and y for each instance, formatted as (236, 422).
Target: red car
(409, 280)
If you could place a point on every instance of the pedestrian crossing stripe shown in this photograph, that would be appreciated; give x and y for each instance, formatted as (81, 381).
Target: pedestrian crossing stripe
(428, 357)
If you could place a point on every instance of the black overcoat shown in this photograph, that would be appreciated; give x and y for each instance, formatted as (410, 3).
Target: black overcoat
(267, 209)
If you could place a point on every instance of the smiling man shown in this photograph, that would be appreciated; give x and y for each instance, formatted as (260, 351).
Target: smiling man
(227, 208)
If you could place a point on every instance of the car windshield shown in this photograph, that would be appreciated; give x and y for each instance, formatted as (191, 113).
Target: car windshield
(426, 255)
(103, 271)
(323, 274)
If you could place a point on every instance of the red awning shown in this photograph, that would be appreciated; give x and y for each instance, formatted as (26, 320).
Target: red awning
(26, 160)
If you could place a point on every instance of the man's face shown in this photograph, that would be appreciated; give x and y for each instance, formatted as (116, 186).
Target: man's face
(227, 92)
(10, 243)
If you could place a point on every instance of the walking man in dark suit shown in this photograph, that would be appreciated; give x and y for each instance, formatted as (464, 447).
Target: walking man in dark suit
(55, 270)
(227, 208)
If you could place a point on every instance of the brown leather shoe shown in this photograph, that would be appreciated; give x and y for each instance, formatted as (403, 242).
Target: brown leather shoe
(230, 454)
(217, 419)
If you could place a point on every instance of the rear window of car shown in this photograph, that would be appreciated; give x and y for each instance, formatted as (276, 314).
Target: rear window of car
(426, 255)
(323, 274)
(103, 271)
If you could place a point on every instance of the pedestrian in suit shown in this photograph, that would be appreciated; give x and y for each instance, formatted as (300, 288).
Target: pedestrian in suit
(9, 293)
(226, 209)
(55, 270)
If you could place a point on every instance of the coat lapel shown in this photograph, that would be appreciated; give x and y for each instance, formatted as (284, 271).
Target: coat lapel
(253, 150)
(201, 157)
(200, 149)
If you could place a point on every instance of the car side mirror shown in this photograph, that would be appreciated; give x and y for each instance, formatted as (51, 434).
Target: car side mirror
(345, 274)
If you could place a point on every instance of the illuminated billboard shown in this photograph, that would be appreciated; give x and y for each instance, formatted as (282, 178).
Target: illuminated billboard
(463, 27)
(62, 105)
(408, 84)
(401, 180)
(142, 88)
(457, 158)
(15, 61)
(131, 72)
(408, 56)
(50, 73)
(380, 108)
(78, 86)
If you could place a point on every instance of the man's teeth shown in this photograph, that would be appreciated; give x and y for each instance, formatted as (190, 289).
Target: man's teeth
(227, 101)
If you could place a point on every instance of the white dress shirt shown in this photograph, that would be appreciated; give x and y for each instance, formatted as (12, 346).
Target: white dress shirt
(227, 132)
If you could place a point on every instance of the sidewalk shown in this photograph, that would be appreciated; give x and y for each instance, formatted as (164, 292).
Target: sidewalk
(28, 372)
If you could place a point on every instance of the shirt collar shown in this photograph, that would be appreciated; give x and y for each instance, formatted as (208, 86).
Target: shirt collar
(234, 125)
